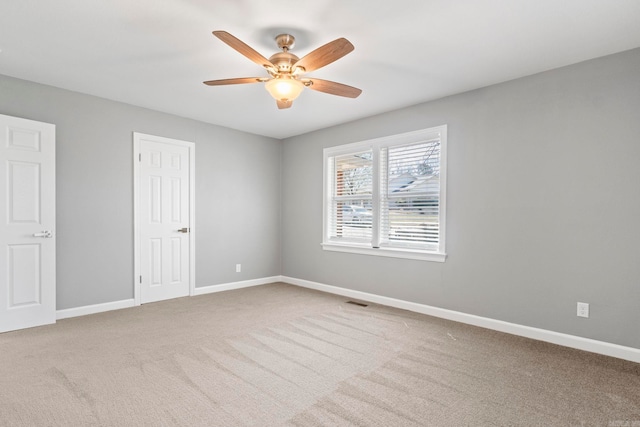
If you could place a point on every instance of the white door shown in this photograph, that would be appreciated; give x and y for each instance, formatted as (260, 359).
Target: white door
(164, 217)
(27, 233)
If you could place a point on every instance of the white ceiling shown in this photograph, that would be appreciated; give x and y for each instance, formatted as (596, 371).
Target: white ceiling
(157, 53)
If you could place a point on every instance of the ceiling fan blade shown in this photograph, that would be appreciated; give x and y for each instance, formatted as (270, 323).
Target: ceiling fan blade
(237, 81)
(333, 88)
(244, 49)
(284, 104)
(324, 55)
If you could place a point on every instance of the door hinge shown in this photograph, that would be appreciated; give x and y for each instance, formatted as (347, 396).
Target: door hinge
(139, 157)
(140, 279)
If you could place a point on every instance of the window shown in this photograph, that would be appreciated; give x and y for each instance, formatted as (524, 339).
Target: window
(387, 196)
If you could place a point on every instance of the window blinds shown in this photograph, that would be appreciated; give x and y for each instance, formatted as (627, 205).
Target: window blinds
(351, 204)
(410, 183)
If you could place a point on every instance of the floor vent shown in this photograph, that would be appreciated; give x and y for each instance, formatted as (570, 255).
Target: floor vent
(357, 303)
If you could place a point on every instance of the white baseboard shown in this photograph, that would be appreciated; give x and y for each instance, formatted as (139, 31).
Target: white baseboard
(93, 309)
(236, 285)
(117, 305)
(580, 343)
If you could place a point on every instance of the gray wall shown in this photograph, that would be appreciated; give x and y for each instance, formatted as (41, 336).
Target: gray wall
(543, 203)
(237, 192)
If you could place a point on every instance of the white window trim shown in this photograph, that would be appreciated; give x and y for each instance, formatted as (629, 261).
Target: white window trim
(386, 252)
(375, 144)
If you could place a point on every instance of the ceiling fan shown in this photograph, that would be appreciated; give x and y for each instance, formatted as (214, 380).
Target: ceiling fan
(285, 81)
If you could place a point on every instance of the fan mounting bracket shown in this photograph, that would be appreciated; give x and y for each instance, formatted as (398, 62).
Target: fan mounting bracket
(285, 41)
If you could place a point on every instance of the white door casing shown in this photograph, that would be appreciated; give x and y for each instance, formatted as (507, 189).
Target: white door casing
(164, 234)
(27, 234)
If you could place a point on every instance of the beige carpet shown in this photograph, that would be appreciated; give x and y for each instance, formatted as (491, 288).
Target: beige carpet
(281, 355)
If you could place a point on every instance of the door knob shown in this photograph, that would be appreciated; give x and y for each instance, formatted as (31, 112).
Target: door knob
(46, 234)
(183, 230)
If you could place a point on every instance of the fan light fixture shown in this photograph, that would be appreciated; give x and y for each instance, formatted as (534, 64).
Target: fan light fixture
(284, 83)
(284, 88)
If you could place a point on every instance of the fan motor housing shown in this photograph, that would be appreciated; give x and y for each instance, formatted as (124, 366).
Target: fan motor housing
(284, 61)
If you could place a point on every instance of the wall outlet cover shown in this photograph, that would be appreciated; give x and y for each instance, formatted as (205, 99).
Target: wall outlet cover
(583, 309)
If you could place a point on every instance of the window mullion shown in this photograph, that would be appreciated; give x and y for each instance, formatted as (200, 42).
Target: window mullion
(375, 198)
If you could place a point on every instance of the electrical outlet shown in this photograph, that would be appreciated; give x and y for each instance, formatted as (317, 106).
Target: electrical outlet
(238, 268)
(583, 309)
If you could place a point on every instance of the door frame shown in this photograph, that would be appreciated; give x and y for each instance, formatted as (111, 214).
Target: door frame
(137, 138)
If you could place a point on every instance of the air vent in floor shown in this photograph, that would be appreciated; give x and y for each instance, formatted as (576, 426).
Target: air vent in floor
(357, 303)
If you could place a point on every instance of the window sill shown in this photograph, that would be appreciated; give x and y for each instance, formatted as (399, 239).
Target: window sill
(386, 252)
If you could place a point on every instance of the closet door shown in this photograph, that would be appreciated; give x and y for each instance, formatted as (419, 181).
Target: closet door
(27, 231)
